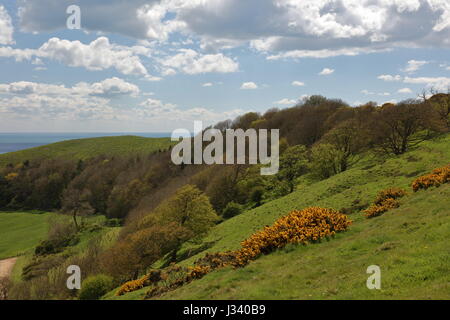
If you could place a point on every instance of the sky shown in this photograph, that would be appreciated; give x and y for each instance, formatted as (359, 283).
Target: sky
(159, 65)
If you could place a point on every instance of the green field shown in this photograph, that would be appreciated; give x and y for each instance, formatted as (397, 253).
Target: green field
(21, 231)
(88, 148)
(410, 244)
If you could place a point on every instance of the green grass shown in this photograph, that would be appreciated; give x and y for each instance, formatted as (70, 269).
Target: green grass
(21, 231)
(410, 244)
(88, 148)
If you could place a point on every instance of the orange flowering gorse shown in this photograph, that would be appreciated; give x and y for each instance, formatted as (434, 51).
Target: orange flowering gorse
(386, 200)
(435, 179)
(133, 285)
(298, 227)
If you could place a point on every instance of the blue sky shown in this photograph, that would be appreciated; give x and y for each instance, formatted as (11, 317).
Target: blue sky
(158, 65)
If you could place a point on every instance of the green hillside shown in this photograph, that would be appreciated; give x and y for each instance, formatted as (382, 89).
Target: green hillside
(88, 148)
(410, 244)
(21, 231)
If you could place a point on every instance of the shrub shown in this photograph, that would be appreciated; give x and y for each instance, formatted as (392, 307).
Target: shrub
(386, 200)
(232, 209)
(298, 227)
(94, 287)
(392, 193)
(133, 285)
(113, 223)
(308, 225)
(377, 210)
(435, 179)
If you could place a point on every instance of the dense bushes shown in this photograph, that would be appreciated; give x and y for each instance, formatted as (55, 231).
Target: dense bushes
(94, 287)
(233, 209)
(435, 179)
(386, 200)
(298, 227)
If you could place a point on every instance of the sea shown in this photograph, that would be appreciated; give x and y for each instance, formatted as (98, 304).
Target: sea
(10, 142)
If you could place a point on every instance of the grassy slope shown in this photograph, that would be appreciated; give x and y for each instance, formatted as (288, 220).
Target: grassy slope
(87, 148)
(21, 231)
(415, 267)
(104, 236)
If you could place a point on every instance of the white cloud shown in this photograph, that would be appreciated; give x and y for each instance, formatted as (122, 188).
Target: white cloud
(312, 28)
(298, 83)
(438, 83)
(107, 88)
(286, 101)
(32, 100)
(324, 53)
(141, 19)
(367, 92)
(100, 54)
(207, 84)
(371, 93)
(191, 62)
(414, 65)
(390, 78)
(249, 86)
(6, 27)
(326, 72)
(157, 110)
(405, 91)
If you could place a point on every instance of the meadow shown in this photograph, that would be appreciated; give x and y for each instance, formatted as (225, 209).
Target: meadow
(21, 232)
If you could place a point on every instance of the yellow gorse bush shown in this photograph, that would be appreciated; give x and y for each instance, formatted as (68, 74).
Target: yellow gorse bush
(133, 285)
(386, 200)
(298, 227)
(435, 179)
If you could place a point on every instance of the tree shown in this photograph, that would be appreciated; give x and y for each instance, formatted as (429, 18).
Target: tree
(76, 203)
(398, 127)
(189, 209)
(293, 164)
(349, 138)
(326, 160)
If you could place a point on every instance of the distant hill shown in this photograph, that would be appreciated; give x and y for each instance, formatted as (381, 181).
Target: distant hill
(88, 148)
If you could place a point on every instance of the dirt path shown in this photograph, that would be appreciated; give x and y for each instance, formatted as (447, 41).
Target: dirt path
(6, 267)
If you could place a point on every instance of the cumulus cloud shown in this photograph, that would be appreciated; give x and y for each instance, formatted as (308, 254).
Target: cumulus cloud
(249, 86)
(326, 72)
(157, 110)
(405, 91)
(49, 101)
(6, 27)
(414, 65)
(438, 83)
(298, 83)
(390, 78)
(100, 54)
(286, 101)
(311, 28)
(141, 19)
(108, 88)
(192, 62)
(292, 28)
